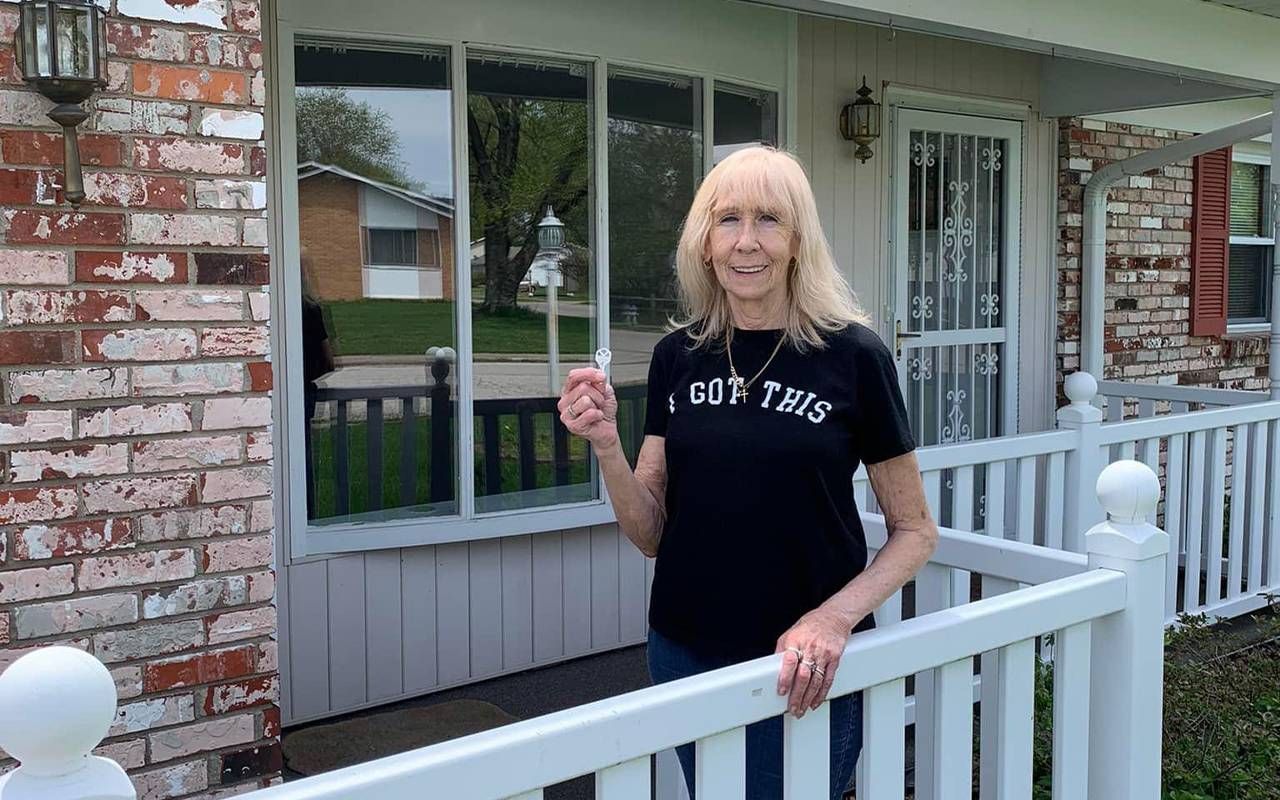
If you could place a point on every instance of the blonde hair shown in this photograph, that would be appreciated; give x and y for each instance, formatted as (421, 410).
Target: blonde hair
(755, 180)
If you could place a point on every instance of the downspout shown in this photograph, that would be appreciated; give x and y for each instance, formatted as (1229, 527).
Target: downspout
(1094, 249)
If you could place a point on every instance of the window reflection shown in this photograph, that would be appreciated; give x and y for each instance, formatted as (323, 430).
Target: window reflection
(375, 204)
(744, 117)
(530, 144)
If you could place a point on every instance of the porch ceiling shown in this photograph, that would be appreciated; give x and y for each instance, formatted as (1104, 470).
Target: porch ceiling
(1270, 8)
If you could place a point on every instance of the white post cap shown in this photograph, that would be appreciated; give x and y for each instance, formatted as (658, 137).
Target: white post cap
(1080, 388)
(56, 705)
(1128, 491)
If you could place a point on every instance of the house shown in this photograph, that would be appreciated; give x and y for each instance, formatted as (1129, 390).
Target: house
(393, 234)
(153, 508)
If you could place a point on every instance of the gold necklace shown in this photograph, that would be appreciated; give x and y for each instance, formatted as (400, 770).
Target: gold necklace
(741, 386)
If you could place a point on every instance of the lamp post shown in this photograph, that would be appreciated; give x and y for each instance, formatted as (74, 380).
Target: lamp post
(550, 240)
(61, 47)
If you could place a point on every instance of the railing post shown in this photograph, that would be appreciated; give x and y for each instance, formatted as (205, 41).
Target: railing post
(441, 415)
(56, 705)
(1084, 462)
(1126, 686)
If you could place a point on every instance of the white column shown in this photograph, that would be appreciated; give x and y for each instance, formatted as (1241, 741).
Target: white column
(1126, 688)
(1084, 463)
(56, 705)
(1273, 368)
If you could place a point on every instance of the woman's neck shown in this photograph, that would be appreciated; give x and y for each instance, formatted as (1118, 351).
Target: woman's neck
(764, 314)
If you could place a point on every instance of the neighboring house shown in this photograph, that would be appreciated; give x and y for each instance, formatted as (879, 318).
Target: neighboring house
(369, 239)
(152, 500)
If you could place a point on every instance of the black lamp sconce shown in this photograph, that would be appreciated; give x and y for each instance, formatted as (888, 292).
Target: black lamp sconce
(860, 122)
(62, 50)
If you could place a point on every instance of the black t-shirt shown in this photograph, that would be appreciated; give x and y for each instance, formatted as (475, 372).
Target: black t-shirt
(761, 522)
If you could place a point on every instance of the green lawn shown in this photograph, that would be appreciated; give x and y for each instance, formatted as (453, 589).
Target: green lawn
(402, 327)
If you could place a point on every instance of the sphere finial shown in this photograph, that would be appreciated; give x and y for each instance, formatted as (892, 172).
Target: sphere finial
(1080, 388)
(1128, 491)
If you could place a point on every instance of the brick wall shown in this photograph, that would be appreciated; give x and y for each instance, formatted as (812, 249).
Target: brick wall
(1148, 266)
(329, 229)
(135, 438)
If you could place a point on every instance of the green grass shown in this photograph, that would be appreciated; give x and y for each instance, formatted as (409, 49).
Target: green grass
(403, 327)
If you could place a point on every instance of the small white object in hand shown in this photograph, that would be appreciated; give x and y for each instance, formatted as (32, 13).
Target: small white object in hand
(603, 357)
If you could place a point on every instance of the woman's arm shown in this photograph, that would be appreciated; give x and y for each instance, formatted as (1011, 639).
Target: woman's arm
(638, 497)
(821, 635)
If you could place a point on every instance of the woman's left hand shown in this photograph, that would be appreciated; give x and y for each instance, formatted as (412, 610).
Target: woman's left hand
(811, 651)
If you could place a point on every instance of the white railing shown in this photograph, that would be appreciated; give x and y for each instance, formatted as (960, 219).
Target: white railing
(1124, 400)
(1219, 466)
(57, 703)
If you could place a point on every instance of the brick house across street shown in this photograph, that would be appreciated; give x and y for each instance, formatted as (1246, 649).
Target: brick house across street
(252, 534)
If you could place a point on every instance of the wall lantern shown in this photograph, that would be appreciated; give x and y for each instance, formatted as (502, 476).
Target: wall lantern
(62, 50)
(860, 122)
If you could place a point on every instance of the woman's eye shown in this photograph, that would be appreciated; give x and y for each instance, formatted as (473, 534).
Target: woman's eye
(768, 219)
(728, 219)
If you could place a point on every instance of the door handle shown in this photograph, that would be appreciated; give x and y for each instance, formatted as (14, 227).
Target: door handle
(899, 335)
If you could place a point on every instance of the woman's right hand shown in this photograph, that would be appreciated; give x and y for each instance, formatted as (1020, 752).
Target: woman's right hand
(589, 407)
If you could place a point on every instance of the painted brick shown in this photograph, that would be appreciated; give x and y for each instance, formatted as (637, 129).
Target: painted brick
(235, 484)
(135, 191)
(236, 412)
(258, 162)
(237, 269)
(228, 124)
(56, 385)
(248, 195)
(186, 83)
(269, 659)
(185, 155)
(37, 347)
(70, 462)
(192, 453)
(193, 670)
(135, 420)
(19, 585)
(261, 516)
(197, 596)
(151, 713)
(256, 232)
(75, 615)
(236, 625)
(118, 76)
(244, 16)
(240, 695)
(146, 42)
(181, 779)
(37, 505)
(218, 342)
(201, 737)
(136, 569)
(23, 109)
(205, 13)
(258, 90)
(12, 654)
(258, 446)
(200, 523)
(18, 188)
(131, 267)
(156, 117)
(128, 681)
(260, 306)
(223, 50)
(262, 586)
(148, 640)
(45, 149)
(260, 377)
(130, 754)
(136, 494)
(72, 538)
(190, 305)
(76, 228)
(183, 229)
(29, 427)
(237, 554)
(4, 637)
(143, 344)
(42, 307)
(187, 379)
(33, 267)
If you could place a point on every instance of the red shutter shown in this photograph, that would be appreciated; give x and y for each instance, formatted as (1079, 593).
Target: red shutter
(1210, 243)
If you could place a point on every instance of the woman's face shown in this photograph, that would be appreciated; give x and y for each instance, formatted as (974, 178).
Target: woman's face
(750, 251)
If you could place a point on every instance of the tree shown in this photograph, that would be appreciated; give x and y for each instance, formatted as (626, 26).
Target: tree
(333, 129)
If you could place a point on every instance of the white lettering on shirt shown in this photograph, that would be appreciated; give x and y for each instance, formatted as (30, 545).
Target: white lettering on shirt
(820, 408)
(805, 404)
(770, 387)
(715, 392)
(697, 393)
(671, 402)
(789, 401)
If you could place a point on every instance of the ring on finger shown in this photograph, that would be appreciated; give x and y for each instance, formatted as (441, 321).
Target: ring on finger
(797, 651)
(810, 663)
(822, 673)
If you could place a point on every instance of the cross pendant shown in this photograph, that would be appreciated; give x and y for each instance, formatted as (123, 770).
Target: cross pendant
(739, 388)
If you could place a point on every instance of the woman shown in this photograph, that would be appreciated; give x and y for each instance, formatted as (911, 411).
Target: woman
(762, 403)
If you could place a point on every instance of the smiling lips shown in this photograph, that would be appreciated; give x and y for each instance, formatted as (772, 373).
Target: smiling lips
(749, 270)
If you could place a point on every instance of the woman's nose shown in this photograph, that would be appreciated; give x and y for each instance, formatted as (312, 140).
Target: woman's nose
(747, 239)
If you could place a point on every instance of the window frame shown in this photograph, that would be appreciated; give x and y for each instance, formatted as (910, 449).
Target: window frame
(1262, 324)
(404, 233)
(306, 541)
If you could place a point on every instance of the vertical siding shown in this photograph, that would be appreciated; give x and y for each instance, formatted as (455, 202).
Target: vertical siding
(374, 627)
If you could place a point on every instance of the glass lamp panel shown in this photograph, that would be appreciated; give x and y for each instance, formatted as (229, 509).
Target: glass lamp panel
(72, 27)
(38, 60)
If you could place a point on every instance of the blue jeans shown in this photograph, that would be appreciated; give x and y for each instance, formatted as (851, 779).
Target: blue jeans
(669, 661)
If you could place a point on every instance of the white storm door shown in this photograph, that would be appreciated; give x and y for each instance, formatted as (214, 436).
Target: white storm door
(957, 198)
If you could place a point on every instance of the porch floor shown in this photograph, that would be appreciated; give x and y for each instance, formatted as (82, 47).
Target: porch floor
(532, 694)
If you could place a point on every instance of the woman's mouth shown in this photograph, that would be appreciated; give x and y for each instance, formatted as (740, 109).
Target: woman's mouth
(750, 270)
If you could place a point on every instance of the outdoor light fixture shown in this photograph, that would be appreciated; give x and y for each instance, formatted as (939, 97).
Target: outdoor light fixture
(61, 48)
(550, 240)
(860, 122)
(550, 231)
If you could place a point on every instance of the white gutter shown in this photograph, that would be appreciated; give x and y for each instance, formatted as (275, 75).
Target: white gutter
(1094, 249)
